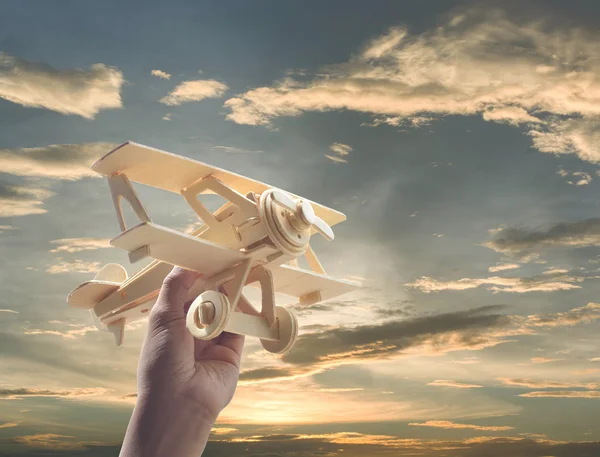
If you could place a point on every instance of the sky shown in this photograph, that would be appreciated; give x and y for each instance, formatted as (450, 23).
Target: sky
(462, 141)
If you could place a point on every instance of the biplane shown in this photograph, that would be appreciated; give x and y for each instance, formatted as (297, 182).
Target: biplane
(255, 238)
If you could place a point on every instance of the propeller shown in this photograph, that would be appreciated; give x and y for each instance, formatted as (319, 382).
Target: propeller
(303, 212)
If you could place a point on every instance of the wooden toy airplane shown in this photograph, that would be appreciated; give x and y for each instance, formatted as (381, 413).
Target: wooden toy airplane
(253, 239)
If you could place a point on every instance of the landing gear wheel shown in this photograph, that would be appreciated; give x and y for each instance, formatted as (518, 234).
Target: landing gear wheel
(288, 332)
(210, 303)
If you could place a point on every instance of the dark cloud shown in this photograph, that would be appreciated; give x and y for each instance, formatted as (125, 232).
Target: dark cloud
(355, 444)
(522, 241)
(21, 392)
(266, 373)
(347, 444)
(379, 340)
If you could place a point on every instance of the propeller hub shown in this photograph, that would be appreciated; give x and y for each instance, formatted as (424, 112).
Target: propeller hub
(305, 213)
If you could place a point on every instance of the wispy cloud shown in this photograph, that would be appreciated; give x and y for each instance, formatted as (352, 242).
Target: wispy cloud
(57, 442)
(8, 311)
(193, 91)
(22, 393)
(69, 334)
(503, 267)
(521, 241)
(454, 425)
(77, 266)
(336, 159)
(537, 360)
(499, 284)
(22, 201)
(161, 74)
(580, 178)
(223, 430)
(531, 74)
(9, 424)
(454, 384)
(71, 245)
(340, 149)
(235, 150)
(563, 394)
(74, 91)
(56, 161)
(355, 444)
(587, 313)
(544, 384)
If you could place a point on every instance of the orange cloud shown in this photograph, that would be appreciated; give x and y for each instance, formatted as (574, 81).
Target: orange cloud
(563, 394)
(454, 425)
(457, 385)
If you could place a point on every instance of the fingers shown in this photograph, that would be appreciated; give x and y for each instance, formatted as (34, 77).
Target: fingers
(173, 293)
(232, 341)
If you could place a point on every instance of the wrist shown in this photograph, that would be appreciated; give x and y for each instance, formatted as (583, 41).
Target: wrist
(160, 427)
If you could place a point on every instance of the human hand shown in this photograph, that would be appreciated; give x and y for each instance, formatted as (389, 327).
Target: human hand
(183, 383)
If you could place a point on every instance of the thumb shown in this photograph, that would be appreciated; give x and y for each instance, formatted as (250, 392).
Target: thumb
(173, 294)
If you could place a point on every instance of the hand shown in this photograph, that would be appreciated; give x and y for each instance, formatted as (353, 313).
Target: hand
(181, 379)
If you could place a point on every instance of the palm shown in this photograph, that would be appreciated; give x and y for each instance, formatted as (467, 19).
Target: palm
(177, 367)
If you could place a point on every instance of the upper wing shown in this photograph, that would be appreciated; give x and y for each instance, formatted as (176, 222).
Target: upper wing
(172, 172)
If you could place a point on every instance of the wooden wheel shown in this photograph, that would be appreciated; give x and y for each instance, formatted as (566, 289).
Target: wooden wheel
(208, 315)
(288, 332)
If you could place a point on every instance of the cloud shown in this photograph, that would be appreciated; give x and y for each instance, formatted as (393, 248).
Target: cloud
(71, 245)
(473, 329)
(57, 442)
(353, 444)
(537, 73)
(8, 311)
(443, 333)
(168, 117)
(563, 394)
(9, 424)
(78, 266)
(193, 91)
(73, 333)
(454, 425)
(22, 201)
(22, 393)
(503, 267)
(555, 271)
(537, 360)
(161, 74)
(499, 284)
(587, 313)
(56, 161)
(223, 430)
(447, 383)
(520, 241)
(579, 136)
(340, 149)
(234, 150)
(467, 361)
(581, 178)
(75, 91)
(587, 371)
(541, 384)
(336, 159)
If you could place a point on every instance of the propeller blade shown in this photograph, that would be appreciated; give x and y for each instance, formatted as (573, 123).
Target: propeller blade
(284, 200)
(323, 228)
